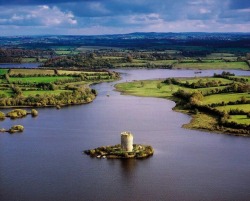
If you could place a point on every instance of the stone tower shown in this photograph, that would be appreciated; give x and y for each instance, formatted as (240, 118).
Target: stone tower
(127, 141)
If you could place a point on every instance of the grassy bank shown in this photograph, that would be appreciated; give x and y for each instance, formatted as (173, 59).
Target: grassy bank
(221, 108)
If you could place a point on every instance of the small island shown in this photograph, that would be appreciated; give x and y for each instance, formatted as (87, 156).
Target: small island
(122, 151)
(13, 129)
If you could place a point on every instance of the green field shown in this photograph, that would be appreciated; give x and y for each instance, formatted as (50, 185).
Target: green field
(245, 107)
(206, 79)
(63, 52)
(213, 65)
(31, 72)
(32, 59)
(172, 51)
(207, 63)
(44, 79)
(111, 57)
(220, 55)
(3, 71)
(142, 64)
(91, 48)
(67, 72)
(241, 119)
(163, 62)
(147, 88)
(6, 92)
(42, 92)
(218, 98)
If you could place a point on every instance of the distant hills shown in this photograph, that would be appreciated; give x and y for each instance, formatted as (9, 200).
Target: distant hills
(138, 40)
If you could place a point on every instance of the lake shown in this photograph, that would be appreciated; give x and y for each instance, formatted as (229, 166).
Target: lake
(45, 162)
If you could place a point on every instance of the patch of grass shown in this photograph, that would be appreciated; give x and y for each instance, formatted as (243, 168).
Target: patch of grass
(68, 72)
(3, 71)
(39, 79)
(91, 48)
(207, 90)
(218, 98)
(29, 59)
(142, 64)
(111, 57)
(63, 52)
(32, 60)
(208, 79)
(163, 62)
(213, 65)
(244, 107)
(147, 88)
(42, 92)
(202, 121)
(172, 51)
(31, 72)
(6, 92)
(221, 55)
(240, 119)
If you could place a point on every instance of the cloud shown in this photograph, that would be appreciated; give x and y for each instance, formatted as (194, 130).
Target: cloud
(123, 16)
(36, 16)
(36, 2)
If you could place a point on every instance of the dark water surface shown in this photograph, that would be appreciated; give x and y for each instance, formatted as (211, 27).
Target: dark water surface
(19, 65)
(45, 161)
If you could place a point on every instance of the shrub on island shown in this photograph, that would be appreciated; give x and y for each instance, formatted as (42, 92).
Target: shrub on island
(34, 113)
(17, 113)
(2, 116)
(16, 128)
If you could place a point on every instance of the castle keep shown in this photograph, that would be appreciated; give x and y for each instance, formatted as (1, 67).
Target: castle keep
(127, 141)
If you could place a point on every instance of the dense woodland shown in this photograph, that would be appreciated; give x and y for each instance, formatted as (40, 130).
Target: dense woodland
(15, 55)
(153, 59)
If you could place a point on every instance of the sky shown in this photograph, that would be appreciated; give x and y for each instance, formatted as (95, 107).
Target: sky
(96, 17)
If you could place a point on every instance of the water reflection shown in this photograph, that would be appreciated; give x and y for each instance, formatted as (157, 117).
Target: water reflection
(128, 167)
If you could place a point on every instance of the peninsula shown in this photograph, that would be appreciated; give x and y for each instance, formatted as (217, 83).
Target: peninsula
(219, 103)
(49, 87)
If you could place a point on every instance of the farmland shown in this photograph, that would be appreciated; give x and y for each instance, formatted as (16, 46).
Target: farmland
(41, 88)
(215, 64)
(140, 59)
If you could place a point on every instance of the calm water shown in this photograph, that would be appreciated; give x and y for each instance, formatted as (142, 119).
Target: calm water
(19, 65)
(45, 162)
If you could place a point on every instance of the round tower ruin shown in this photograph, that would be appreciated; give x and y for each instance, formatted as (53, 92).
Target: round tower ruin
(127, 141)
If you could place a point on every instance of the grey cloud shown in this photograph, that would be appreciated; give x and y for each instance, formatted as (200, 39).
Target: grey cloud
(127, 14)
